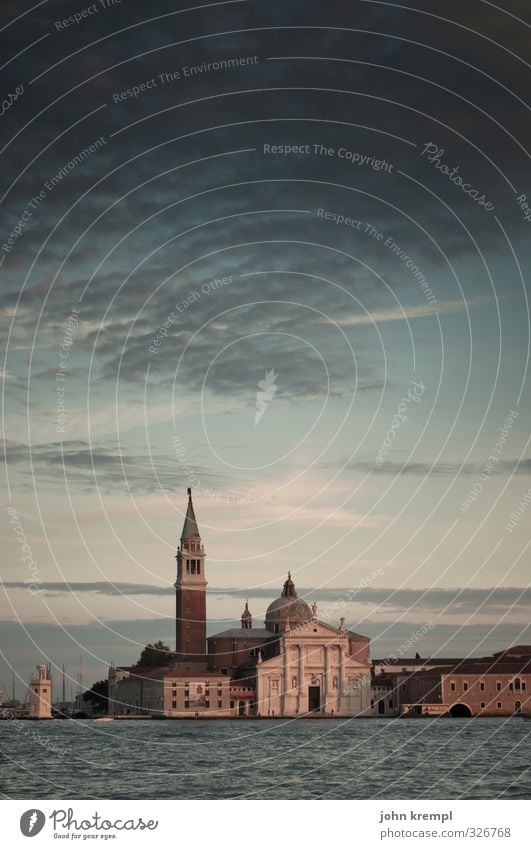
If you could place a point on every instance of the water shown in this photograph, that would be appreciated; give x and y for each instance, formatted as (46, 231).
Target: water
(261, 759)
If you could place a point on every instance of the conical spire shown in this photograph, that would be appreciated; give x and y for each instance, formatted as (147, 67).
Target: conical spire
(247, 618)
(190, 529)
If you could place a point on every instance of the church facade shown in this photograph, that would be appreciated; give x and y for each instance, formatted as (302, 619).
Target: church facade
(294, 666)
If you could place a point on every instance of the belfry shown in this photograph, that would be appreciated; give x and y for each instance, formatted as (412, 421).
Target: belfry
(190, 590)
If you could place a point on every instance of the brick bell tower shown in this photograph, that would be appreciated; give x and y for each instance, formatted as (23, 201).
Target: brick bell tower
(190, 590)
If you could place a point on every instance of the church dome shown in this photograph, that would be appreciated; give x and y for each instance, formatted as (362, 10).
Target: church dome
(289, 607)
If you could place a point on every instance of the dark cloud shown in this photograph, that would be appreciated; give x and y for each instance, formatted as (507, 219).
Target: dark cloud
(394, 76)
(107, 467)
(488, 599)
(56, 588)
(444, 469)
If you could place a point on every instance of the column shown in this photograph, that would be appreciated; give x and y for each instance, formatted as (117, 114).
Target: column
(328, 694)
(342, 682)
(285, 680)
(302, 703)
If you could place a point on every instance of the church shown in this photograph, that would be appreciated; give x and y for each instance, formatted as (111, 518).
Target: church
(294, 666)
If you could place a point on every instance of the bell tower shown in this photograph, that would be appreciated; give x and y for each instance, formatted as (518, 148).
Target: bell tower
(190, 589)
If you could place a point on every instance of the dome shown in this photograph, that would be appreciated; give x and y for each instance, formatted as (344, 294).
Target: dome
(288, 607)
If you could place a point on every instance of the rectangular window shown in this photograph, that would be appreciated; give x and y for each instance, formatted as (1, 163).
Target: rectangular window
(465, 686)
(44, 690)
(174, 704)
(498, 705)
(482, 704)
(293, 682)
(452, 686)
(510, 685)
(220, 703)
(207, 703)
(232, 704)
(187, 703)
(523, 685)
(482, 686)
(498, 686)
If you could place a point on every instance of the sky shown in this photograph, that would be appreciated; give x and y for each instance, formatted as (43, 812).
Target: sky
(277, 253)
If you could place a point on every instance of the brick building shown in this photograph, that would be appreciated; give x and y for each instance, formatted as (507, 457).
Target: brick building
(488, 686)
(500, 686)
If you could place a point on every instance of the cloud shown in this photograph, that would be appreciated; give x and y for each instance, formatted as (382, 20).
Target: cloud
(266, 217)
(107, 467)
(410, 312)
(444, 469)
(485, 599)
(106, 588)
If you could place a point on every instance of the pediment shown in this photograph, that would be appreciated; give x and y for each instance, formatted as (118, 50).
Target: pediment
(316, 628)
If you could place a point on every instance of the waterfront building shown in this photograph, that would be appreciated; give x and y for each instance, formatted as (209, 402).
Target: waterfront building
(499, 686)
(310, 666)
(177, 690)
(40, 693)
(490, 686)
(293, 666)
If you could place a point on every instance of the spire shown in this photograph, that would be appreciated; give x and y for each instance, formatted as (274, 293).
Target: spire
(190, 587)
(190, 529)
(247, 618)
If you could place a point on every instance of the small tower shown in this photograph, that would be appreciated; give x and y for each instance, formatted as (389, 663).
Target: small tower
(40, 693)
(190, 588)
(247, 618)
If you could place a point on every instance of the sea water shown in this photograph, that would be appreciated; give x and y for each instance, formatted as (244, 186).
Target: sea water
(438, 758)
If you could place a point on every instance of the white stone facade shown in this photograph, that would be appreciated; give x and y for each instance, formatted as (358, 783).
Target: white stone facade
(314, 673)
(40, 693)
